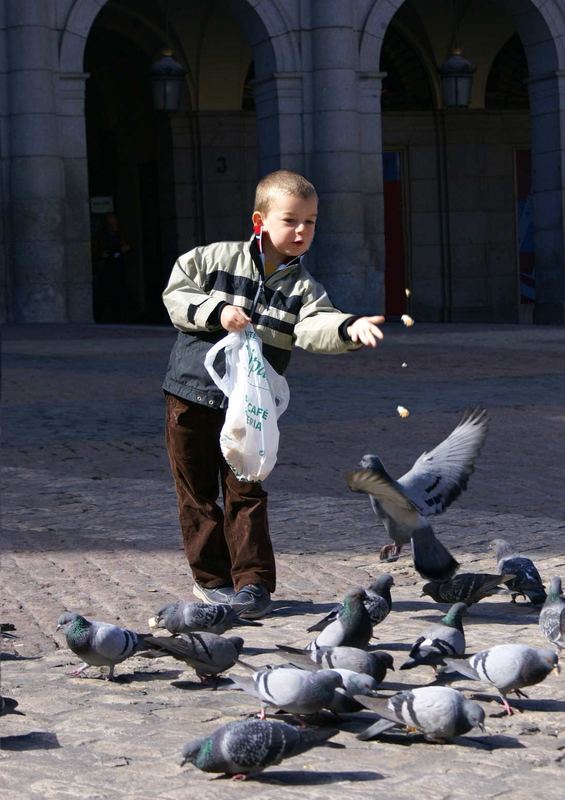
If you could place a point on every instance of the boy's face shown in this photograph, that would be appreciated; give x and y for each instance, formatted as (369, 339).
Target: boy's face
(290, 223)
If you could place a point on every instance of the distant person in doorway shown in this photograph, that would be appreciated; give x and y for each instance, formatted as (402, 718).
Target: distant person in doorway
(110, 247)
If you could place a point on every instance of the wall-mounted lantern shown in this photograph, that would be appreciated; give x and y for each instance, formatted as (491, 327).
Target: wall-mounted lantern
(456, 80)
(167, 78)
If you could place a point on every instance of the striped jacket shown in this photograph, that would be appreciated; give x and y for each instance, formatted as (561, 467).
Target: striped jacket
(288, 307)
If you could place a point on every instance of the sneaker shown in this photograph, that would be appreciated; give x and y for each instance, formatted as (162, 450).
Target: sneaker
(252, 601)
(217, 594)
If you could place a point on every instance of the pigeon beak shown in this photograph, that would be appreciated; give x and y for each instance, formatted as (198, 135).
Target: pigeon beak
(557, 669)
(58, 628)
(482, 727)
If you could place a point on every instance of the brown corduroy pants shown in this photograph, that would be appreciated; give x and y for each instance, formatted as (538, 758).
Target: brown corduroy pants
(222, 546)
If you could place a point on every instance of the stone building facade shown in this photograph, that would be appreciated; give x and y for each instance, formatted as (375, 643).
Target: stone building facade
(462, 206)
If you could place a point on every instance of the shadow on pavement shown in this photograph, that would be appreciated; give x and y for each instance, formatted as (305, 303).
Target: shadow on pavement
(303, 778)
(34, 740)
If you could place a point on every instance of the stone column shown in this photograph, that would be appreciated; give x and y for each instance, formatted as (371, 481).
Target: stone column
(78, 257)
(547, 108)
(371, 155)
(278, 103)
(36, 169)
(343, 262)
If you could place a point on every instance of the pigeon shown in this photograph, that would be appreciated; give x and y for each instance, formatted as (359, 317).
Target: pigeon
(552, 615)
(100, 644)
(526, 581)
(444, 638)
(244, 748)
(378, 604)
(291, 689)
(352, 626)
(439, 712)
(374, 663)
(207, 653)
(435, 480)
(185, 617)
(468, 587)
(353, 683)
(10, 706)
(507, 667)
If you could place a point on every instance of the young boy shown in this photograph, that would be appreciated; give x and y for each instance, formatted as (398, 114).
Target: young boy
(221, 288)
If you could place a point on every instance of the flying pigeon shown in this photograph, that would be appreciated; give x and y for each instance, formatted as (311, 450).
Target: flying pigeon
(467, 587)
(552, 615)
(244, 748)
(526, 581)
(507, 667)
(352, 626)
(375, 663)
(100, 644)
(185, 617)
(291, 689)
(378, 603)
(207, 653)
(439, 712)
(444, 638)
(435, 480)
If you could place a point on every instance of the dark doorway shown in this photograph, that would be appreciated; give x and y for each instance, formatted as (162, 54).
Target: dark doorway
(123, 137)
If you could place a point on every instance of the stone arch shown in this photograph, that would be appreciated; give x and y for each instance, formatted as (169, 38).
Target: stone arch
(266, 27)
(539, 24)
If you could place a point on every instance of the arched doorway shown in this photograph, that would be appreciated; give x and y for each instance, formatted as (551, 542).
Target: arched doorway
(466, 170)
(186, 178)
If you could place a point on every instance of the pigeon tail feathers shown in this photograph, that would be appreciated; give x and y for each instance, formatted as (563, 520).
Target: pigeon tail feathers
(432, 560)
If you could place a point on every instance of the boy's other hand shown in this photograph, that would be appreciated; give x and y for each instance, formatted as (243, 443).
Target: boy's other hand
(234, 319)
(365, 330)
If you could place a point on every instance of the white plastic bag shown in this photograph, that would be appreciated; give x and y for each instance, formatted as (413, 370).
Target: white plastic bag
(257, 396)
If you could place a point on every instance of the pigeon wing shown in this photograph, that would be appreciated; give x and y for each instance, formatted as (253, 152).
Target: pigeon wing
(391, 502)
(437, 478)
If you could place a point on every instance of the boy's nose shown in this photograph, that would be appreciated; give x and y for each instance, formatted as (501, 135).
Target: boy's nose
(300, 227)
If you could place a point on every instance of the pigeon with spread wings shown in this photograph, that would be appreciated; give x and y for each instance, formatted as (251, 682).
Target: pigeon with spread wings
(435, 480)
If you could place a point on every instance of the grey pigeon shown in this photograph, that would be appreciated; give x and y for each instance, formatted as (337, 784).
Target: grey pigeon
(291, 689)
(526, 581)
(354, 683)
(439, 712)
(374, 663)
(9, 706)
(100, 644)
(207, 653)
(443, 638)
(378, 603)
(244, 748)
(435, 480)
(552, 615)
(185, 617)
(352, 626)
(508, 667)
(468, 587)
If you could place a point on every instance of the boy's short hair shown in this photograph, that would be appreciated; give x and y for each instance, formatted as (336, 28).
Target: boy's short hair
(282, 181)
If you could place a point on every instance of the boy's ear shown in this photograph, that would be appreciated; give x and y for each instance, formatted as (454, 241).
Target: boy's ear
(257, 218)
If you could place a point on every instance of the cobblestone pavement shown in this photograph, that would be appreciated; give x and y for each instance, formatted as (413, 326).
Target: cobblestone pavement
(90, 525)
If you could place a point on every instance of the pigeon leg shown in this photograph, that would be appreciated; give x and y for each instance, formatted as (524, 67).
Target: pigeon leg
(110, 673)
(80, 670)
(507, 707)
(262, 714)
(239, 776)
(390, 552)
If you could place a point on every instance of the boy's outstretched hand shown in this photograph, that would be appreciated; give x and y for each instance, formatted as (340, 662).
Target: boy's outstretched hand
(365, 330)
(233, 319)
